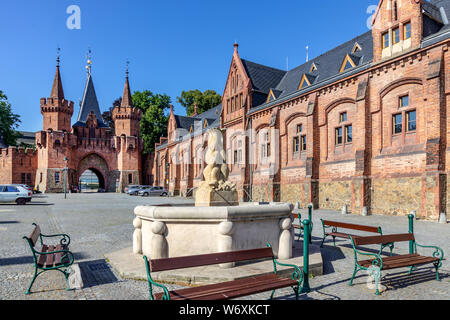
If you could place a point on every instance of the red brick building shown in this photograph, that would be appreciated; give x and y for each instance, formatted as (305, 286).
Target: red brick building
(89, 144)
(364, 124)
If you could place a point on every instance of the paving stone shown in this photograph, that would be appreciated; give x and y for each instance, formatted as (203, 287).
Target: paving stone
(102, 223)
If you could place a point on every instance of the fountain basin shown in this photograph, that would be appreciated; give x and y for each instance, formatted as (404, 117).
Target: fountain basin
(167, 232)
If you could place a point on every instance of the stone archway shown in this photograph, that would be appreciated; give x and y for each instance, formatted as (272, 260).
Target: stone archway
(99, 167)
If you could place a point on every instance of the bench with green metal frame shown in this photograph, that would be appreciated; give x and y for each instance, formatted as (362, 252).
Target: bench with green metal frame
(379, 263)
(50, 257)
(334, 225)
(224, 290)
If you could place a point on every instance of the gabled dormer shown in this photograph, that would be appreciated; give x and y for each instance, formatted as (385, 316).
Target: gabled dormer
(237, 88)
(397, 26)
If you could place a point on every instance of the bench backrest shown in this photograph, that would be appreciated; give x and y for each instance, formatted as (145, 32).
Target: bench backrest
(208, 259)
(35, 235)
(360, 241)
(351, 226)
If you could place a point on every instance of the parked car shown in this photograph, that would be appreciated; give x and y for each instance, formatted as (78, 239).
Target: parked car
(130, 186)
(14, 193)
(134, 191)
(154, 191)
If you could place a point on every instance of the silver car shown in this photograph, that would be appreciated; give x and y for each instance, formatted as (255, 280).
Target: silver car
(14, 193)
(154, 191)
(134, 191)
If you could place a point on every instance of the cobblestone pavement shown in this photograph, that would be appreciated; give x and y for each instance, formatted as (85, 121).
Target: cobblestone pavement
(102, 223)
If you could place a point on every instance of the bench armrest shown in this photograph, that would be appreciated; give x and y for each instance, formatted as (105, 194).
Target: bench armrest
(297, 275)
(151, 283)
(65, 238)
(378, 261)
(438, 252)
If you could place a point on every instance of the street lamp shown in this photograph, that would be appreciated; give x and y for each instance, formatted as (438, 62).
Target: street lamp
(66, 169)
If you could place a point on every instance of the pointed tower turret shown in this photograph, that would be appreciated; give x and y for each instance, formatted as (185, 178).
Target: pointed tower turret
(126, 117)
(56, 110)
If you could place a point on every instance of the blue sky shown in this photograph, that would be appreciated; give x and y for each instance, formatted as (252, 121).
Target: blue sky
(172, 45)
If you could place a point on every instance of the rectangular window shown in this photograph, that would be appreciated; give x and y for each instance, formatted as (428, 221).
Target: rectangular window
(303, 144)
(130, 178)
(40, 177)
(348, 134)
(28, 178)
(386, 40)
(296, 145)
(343, 117)
(22, 178)
(57, 178)
(338, 136)
(235, 156)
(397, 123)
(407, 30)
(396, 35)
(404, 101)
(299, 128)
(411, 119)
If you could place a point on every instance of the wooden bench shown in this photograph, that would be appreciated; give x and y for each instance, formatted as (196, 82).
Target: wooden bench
(225, 290)
(335, 233)
(412, 260)
(50, 257)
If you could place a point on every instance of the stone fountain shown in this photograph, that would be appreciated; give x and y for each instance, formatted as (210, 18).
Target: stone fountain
(217, 222)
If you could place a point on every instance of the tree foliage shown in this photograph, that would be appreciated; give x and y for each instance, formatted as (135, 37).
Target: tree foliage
(9, 122)
(154, 120)
(107, 115)
(204, 100)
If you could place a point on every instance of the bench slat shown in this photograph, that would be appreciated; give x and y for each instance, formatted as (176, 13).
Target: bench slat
(50, 257)
(384, 239)
(35, 235)
(342, 235)
(42, 257)
(350, 226)
(58, 256)
(208, 259)
(232, 289)
(401, 261)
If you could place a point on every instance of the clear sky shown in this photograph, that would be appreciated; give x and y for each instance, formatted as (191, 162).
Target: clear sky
(172, 45)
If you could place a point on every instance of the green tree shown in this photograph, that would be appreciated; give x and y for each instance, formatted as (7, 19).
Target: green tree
(9, 122)
(107, 115)
(204, 100)
(154, 119)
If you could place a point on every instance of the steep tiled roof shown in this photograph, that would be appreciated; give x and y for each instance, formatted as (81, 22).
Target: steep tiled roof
(89, 104)
(263, 78)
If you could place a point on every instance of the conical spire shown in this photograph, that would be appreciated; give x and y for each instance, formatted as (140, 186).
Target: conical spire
(89, 104)
(127, 100)
(57, 88)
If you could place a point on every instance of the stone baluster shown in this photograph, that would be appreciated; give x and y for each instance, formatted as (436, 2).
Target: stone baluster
(226, 230)
(285, 243)
(137, 236)
(159, 248)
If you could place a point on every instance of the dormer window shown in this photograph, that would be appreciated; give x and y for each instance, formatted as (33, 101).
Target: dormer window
(347, 64)
(313, 68)
(356, 48)
(304, 83)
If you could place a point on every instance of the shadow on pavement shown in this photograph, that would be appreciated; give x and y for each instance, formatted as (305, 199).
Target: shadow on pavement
(29, 260)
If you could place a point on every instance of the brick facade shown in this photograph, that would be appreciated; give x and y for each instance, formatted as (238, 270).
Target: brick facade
(395, 106)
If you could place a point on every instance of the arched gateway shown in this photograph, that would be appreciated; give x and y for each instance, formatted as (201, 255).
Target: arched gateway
(98, 165)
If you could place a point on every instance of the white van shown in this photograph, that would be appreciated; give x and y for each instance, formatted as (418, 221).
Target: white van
(14, 193)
